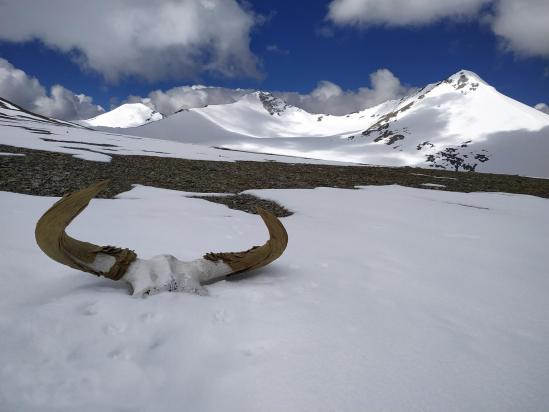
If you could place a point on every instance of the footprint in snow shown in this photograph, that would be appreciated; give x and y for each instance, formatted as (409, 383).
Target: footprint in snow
(90, 309)
(120, 354)
(223, 316)
(113, 330)
(150, 317)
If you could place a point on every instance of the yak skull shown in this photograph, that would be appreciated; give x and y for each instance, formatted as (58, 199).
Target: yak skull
(147, 276)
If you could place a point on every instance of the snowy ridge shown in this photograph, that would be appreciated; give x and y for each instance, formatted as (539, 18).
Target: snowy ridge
(127, 115)
(262, 115)
(12, 115)
(22, 128)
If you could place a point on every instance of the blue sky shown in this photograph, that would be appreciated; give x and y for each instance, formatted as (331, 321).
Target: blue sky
(292, 46)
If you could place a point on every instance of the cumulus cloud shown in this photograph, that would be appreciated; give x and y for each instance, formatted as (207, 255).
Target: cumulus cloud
(152, 39)
(187, 97)
(399, 12)
(330, 98)
(327, 97)
(27, 92)
(542, 107)
(521, 24)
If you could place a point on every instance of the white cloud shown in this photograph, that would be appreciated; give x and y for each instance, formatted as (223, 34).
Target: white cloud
(187, 97)
(330, 98)
(327, 97)
(27, 92)
(153, 39)
(399, 12)
(273, 48)
(521, 24)
(542, 107)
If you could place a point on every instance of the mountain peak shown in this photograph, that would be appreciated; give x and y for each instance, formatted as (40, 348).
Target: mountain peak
(272, 104)
(465, 77)
(126, 115)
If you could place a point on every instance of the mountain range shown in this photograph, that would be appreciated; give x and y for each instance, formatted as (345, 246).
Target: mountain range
(459, 123)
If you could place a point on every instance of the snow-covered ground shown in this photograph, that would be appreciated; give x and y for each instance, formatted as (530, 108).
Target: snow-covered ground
(387, 299)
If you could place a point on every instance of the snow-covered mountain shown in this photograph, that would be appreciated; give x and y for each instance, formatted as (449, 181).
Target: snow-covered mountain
(458, 123)
(127, 115)
(22, 128)
(263, 115)
(462, 122)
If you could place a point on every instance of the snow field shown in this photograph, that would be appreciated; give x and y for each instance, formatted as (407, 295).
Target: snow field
(387, 298)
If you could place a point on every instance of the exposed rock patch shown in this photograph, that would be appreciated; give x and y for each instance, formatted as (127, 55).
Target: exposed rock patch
(54, 174)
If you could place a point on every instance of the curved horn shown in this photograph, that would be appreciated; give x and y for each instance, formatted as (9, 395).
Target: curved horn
(54, 242)
(257, 256)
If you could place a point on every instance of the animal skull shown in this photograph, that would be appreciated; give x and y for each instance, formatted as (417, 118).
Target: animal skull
(147, 276)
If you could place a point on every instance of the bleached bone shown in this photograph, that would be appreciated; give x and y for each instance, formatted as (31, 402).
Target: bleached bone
(161, 273)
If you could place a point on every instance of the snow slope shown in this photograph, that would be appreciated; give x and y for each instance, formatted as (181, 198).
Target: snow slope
(387, 299)
(466, 120)
(461, 121)
(21, 128)
(261, 115)
(127, 115)
(13, 115)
